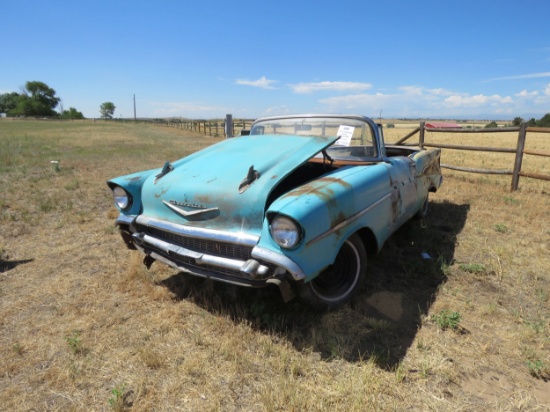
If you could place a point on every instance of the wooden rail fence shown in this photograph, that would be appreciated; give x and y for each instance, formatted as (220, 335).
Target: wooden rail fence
(231, 127)
(519, 150)
(216, 128)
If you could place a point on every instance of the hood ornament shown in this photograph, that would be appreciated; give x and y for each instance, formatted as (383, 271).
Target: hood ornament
(177, 207)
(167, 168)
(249, 179)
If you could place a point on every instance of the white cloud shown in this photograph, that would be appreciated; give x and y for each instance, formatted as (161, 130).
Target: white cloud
(262, 83)
(356, 100)
(521, 76)
(441, 92)
(525, 93)
(414, 101)
(547, 90)
(304, 88)
(416, 90)
(478, 100)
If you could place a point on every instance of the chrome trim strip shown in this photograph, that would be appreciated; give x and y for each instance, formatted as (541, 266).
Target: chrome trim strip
(278, 259)
(249, 267)
(185, 213)
(347, 221)
(124, 219)
(200, 233)
(194, 272)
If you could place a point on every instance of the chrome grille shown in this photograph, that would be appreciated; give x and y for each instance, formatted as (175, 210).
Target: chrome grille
(221, 249)
(200, 245)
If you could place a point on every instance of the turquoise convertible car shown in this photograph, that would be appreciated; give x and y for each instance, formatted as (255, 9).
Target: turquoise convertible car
(299, 202)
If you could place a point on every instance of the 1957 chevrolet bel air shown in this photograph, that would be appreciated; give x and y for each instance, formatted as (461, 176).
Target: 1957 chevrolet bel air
(299, 202)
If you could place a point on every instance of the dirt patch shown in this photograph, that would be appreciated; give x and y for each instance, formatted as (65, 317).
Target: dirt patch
(498, 388)
(389, 304)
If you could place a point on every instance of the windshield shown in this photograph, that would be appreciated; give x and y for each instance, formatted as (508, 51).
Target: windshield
(356, 142)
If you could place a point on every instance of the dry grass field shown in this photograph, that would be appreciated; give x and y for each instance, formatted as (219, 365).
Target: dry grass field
(85, 327)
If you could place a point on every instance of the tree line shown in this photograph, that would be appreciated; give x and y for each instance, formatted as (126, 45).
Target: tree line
(544, 121)
(37, 99)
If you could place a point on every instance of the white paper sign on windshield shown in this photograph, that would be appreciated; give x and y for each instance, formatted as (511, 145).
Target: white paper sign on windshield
(345, 133)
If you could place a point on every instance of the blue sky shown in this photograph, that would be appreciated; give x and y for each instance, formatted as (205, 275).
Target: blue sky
(203, 59)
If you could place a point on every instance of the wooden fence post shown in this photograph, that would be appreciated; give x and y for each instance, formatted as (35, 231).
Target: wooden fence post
(519, 156)
(421, 135)
(229, 131)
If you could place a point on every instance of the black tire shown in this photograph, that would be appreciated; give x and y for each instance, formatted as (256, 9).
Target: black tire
(338, 283)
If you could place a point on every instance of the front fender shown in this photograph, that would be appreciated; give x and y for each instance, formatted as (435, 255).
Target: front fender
(132, 183)
(329, 210)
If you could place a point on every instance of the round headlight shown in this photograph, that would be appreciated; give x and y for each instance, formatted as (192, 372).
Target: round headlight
(122, 200)
(285, 232)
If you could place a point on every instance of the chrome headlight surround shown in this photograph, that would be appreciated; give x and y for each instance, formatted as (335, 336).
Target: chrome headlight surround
(285, 232)
(122, 199)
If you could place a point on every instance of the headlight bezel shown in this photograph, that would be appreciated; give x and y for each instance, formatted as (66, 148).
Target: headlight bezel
(122, 198)
(285, 231)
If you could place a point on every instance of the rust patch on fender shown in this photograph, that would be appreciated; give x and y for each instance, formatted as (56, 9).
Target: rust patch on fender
(319, 188)
(334, 180)
(158, 195)
(395, 204)
(322, 193)
(339, 219)
(206, 200)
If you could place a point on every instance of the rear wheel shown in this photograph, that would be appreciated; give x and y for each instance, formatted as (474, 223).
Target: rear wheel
(340, 281)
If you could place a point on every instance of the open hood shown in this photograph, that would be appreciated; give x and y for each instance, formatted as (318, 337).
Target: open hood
(225, 186)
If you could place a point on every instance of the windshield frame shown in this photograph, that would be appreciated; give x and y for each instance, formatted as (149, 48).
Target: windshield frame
(335, 151)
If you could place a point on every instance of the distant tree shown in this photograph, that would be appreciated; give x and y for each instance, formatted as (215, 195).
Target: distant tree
(532, 122)
(517, 121)
(8, 101)
(72, 113)
(107, 110)
(491, 125)
(544, 121)
(36, 99)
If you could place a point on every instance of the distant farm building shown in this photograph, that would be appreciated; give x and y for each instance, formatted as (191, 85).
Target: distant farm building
(442, 125)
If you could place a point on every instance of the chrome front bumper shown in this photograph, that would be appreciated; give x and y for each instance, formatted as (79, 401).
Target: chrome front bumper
(231, 257)
(250, 267)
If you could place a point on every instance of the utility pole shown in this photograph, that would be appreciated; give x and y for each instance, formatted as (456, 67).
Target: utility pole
(134, 107)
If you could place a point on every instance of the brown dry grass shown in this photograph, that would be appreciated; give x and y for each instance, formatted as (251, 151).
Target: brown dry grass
(83, 326)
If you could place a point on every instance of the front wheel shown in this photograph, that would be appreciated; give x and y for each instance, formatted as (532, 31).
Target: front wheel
(340, 281)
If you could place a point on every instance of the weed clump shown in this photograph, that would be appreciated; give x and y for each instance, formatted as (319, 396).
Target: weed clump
(446, 319)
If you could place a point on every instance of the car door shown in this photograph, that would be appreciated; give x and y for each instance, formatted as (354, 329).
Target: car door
(403, 188)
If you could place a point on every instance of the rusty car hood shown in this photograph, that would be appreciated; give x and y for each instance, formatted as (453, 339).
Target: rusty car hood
(225, 186)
